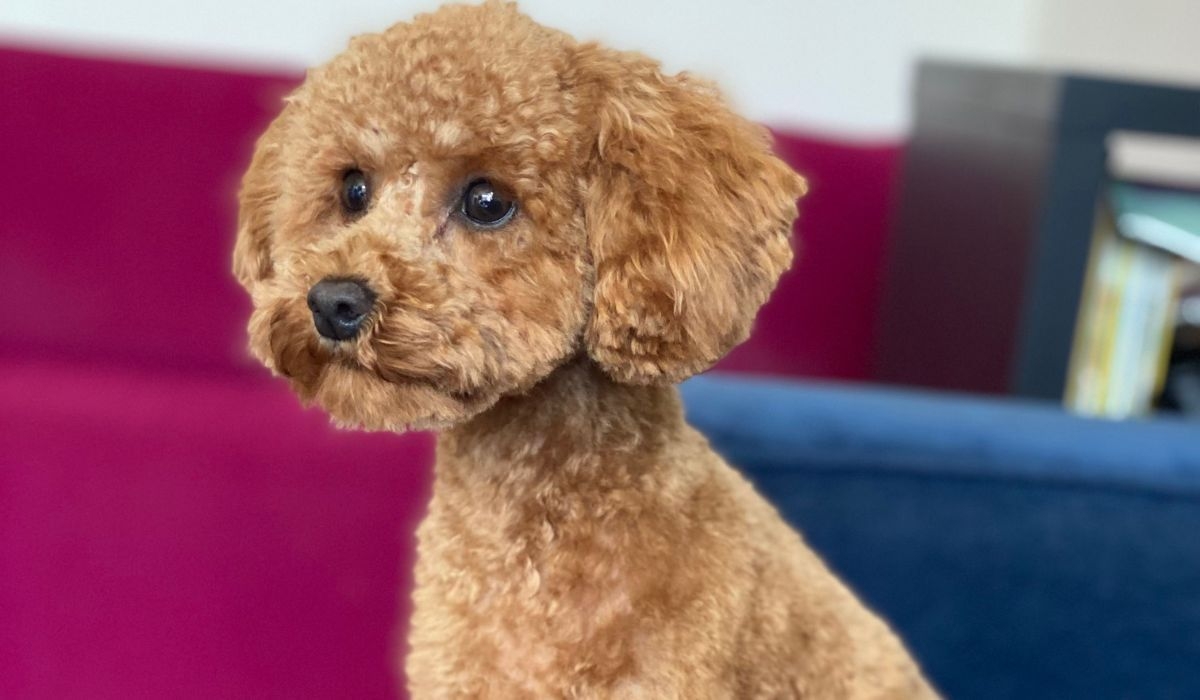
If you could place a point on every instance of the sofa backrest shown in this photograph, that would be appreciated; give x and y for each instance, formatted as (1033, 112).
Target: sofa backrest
(116, 207)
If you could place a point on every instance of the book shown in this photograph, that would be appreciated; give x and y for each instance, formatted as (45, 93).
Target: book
(1163, 217)
(1147, 230)
(1160, 159)
(1123, 337)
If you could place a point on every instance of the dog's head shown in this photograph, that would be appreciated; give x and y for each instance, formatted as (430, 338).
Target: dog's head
(451, 209)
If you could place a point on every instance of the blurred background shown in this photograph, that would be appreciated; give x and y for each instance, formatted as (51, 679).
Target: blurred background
(976, 392)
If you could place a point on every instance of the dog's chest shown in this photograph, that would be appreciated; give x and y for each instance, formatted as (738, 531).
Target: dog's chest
(545, 621)
(544, 602)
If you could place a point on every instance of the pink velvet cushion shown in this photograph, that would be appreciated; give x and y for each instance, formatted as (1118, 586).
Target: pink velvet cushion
(117, 207)
(177, 536)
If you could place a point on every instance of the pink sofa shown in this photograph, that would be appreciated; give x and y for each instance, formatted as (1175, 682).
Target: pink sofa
(172, 524)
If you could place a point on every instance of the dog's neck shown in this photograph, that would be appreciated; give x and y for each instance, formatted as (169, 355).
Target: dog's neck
(575, 429)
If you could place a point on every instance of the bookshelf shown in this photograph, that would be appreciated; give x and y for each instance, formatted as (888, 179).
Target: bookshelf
(997, 220)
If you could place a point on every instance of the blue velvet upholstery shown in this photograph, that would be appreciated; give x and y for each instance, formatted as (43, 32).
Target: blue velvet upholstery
(1021, 552)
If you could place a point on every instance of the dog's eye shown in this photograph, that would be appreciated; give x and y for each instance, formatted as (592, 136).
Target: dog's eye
(486, 205)
(356, 191)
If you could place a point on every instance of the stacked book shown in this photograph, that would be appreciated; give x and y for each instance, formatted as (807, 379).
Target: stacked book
(1147, 234)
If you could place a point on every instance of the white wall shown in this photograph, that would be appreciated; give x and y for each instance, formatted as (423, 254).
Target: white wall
(1156, 39)
(841, 66)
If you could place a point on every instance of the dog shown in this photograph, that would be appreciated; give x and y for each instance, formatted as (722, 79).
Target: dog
(473, 224)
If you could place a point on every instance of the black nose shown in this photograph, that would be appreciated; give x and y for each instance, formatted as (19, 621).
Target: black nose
(339, 307)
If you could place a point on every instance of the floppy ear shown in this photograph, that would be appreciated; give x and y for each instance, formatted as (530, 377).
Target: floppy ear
(688, 217)
(256, 200)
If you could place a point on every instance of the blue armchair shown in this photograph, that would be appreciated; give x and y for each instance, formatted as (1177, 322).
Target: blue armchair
(1020, 551)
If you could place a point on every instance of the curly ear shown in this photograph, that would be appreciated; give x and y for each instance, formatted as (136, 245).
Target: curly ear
(256, 200)
(688, 216)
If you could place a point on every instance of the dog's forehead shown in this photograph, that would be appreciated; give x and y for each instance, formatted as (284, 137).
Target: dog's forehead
(461, 78)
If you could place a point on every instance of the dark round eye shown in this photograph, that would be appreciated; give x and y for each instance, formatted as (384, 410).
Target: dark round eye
(485, 205)
(356, 191)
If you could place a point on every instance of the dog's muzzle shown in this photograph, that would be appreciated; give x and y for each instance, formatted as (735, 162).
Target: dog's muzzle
(339, 307)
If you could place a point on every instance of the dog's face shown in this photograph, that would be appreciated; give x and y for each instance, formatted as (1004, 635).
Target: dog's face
(451, 209)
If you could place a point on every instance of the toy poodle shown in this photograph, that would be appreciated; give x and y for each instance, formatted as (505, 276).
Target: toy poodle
(473, 224)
